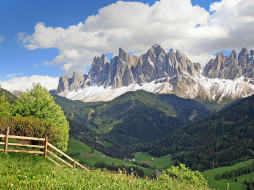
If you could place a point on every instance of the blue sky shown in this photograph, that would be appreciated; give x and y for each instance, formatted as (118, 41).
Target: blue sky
(27, 56)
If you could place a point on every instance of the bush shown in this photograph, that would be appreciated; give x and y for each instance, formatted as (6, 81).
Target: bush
(184, 174)
(30, 127)
(39, 104)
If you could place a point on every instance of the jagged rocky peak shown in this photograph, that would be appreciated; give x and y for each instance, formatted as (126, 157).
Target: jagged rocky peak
(156, 53)
(71, 83)
(159, 71)
(63, 83)
(124, 69)
(76, 81)
(230, 67)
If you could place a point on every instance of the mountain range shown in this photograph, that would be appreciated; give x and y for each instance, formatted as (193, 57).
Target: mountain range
(158, 71)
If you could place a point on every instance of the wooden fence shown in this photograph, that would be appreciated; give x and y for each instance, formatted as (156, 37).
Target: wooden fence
(47, 149)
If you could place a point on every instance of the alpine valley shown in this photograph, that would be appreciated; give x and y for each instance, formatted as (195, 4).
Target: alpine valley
(151, 111)
(162, 103)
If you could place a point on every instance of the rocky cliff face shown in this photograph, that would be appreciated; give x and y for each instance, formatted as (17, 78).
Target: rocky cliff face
(231, 67)
(161, 72)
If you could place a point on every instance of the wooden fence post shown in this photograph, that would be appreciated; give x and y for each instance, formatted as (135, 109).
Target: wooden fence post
(6, 141)
(74, 163)
(46, 147)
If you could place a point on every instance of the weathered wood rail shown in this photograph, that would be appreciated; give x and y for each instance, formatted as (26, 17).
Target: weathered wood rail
(47, 149)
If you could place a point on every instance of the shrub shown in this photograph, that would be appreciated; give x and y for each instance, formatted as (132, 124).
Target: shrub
(184, 174)
(31, 127)
(39, 104)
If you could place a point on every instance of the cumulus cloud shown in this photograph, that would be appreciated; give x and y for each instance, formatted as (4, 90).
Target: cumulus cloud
(136, 26)
(23, 83)
(1, 39)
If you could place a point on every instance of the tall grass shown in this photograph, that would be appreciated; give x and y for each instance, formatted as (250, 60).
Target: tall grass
(23, 171)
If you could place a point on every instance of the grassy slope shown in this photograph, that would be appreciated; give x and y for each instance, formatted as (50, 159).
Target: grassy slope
(76, 146)
(157, 162)
(247, 177)
(24, 171)
(222, 184)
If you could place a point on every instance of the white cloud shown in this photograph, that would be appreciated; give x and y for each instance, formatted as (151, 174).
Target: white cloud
(201, 58)
(136, 26)
(1, 39)
(23, 83)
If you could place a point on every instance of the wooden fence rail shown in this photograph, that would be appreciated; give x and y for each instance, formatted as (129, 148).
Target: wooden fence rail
(45, 148)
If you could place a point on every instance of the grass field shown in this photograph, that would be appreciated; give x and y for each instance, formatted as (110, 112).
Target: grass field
(85, 155)
(25, 171)
(160, 163)
(247, 177)
(75, 146)
(222, 184)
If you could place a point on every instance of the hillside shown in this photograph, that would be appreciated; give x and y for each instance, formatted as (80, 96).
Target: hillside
(10, 97)
(129, 121)
(220, 139)
(22, 171)
(95, 159)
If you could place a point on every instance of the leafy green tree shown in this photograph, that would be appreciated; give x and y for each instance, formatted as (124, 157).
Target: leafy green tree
(5, 107)
(39, 103)
(184, 174)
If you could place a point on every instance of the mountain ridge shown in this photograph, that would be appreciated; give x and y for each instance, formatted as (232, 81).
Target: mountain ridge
(160, 72)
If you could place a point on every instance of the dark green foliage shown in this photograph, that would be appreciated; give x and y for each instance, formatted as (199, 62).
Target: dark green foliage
(220, 139)
(185, 107)
(215, 105)
(97, 141)
(250, 185)
(127, 123)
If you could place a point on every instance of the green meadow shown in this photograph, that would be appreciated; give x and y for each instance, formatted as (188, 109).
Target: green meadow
(156, 162)
(225, 183)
